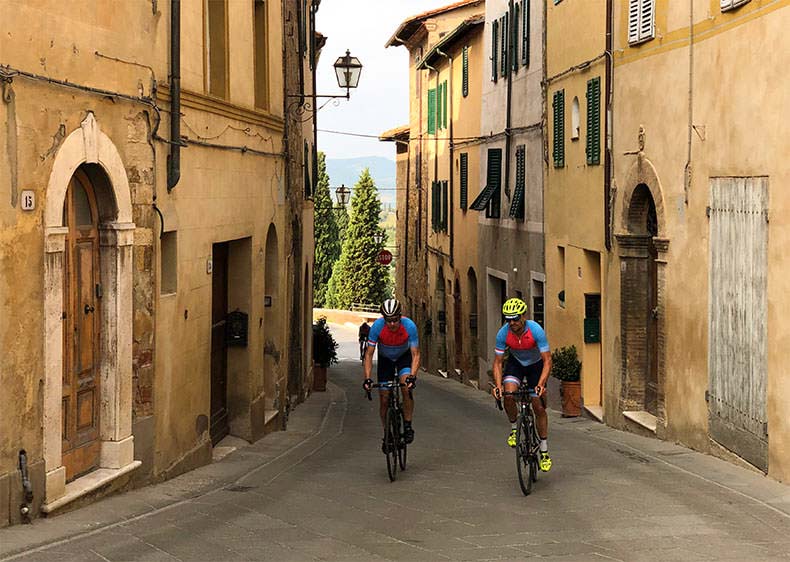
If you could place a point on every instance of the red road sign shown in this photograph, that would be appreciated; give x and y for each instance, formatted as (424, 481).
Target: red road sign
(385, 257)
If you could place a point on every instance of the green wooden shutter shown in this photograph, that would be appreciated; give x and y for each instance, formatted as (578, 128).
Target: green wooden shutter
(514, 38)
(464, 180)
(444, 104)
(494, 180)
(519, 196)
(525, 34)
(559, 129)
(434, 206)
(431, 111)
(465, 74)
(503, 35)
(593, 147)
(445, 204)
(494, 50)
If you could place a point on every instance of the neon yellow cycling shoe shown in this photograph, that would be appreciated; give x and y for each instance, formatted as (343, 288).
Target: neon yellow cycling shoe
(545, 462)
(511, 439)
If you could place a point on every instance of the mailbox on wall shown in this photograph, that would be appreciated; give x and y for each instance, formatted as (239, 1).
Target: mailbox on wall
(236, 329)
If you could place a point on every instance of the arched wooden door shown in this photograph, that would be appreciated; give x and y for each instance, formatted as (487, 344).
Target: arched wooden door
(81, 292)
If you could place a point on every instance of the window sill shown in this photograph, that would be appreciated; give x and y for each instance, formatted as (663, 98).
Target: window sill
(645, 419)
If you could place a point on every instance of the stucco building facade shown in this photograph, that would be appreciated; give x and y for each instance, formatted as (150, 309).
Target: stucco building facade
(130, 238)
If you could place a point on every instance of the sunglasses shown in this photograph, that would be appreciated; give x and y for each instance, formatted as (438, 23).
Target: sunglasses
(392, 320)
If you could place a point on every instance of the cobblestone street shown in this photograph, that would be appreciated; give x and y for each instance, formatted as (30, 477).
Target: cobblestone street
(320, 491)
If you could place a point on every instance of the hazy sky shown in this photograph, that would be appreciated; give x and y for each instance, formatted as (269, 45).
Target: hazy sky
(380, 102)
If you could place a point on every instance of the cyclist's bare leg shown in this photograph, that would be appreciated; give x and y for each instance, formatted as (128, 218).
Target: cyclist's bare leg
(541, 417)
(408, 401)
(383, 398)
(510, 402)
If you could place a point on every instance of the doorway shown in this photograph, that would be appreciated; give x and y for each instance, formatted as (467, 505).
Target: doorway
(219, 427)
(81, 396)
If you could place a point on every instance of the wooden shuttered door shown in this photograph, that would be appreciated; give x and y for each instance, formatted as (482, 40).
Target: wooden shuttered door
(738, 310)
(494, 49)
(431, 111)
(518, 203)
(558, 140)
(465, 74)
(464, 158)
(593, 145)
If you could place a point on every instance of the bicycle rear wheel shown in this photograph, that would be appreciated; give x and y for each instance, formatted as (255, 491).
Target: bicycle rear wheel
(401, 443)
(391, 438)
(523, 464)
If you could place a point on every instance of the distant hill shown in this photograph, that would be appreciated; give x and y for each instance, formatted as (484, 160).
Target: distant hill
(346, 171)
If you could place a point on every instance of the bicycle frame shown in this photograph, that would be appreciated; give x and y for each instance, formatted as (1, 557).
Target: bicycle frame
(528, 442)
(394, 443)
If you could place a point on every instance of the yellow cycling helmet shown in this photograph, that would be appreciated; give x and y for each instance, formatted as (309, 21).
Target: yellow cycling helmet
(514, 308)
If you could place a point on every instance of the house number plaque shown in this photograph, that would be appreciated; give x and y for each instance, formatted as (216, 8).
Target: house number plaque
(28, 200)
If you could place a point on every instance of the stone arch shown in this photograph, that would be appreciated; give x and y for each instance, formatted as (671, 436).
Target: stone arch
(92, 151)
(643, 249)
(272, 328)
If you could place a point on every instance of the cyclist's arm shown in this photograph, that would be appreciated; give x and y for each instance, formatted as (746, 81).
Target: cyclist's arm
(498, 360)
(544, 375)
(368, 364)
(415, 361)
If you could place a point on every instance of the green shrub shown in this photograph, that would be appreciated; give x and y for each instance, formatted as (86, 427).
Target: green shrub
(324, 344)
(565, 365)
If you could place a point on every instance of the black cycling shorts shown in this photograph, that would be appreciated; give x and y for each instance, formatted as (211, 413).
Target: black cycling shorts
(515, 373)
(387, 367)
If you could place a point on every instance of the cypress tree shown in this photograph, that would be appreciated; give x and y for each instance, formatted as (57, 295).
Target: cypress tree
(358, 277)
(327, 238)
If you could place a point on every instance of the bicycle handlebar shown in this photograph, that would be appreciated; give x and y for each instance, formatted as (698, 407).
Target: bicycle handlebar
(388, 386)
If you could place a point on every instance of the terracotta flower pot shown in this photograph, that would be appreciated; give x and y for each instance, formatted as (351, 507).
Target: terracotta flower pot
(319, 378)
(571, 392)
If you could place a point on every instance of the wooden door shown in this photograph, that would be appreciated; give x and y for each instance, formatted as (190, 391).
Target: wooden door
(81, 392)
(219, 354)
(738, 310)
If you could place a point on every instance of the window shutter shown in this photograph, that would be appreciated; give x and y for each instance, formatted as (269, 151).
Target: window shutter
(494, 51)
(559, 129)
(517, 205)
(464, 179)
(434, 206)
(431, 111)
(308, 191)
(729, 4)
(593, 147)
(514, 38)
(494, 180)
(438, 107)
(633, 20)
(525, 34)
(444, 104)
(465, 74)
(445, 204)
(647, 20)
(503, 34)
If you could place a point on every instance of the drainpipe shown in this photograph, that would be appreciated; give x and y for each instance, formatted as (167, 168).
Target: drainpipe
(405, 247)
(688, 171)
(174, 158)
(27, 488)
(450, 215)
(607, 163)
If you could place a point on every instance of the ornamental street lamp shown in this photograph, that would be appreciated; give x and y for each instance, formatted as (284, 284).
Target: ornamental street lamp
(342, 193)
(348, 70)
(378, 237)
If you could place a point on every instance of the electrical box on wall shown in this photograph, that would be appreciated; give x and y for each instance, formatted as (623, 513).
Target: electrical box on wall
(236, 327)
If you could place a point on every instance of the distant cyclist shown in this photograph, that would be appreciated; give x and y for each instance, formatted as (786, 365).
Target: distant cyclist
(529, 359)
(399, 353)
(364, 332)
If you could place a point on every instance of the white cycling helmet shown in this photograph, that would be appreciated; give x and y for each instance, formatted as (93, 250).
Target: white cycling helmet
(390, 308)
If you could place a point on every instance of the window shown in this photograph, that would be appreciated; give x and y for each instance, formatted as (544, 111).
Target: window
(439, 199)
(641, 20)
(518, 203)
(503, 38)
(168, 268)
(465, 74)
(575, 119)
(260, 50)
(216, 20)
(731, 4)
(593, 148)
(431, 111)
(464, 163)
(494, 51)
(525, 34)
(559, 129)
(489, 198)
(514, 39)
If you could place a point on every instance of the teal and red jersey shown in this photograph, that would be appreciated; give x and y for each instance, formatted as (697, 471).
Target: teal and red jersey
(527, 347)
(393, 343)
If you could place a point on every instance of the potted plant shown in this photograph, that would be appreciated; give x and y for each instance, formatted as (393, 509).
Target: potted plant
(566, 367)
(324, 353)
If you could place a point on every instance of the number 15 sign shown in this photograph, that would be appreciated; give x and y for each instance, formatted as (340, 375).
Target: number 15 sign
(28, 200)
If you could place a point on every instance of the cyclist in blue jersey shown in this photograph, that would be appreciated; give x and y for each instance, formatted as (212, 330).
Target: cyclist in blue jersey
(399, 353)
(529, 359)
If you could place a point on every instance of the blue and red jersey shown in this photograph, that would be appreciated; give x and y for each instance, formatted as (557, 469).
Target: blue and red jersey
(393, 343)
(527, 347)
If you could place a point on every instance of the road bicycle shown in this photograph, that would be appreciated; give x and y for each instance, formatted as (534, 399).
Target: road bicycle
(363, 349)
(527, 440)
(394, 442)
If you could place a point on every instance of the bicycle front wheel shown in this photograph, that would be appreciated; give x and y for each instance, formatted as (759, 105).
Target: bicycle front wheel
(391, 438)
(401, 443)
(523, 454)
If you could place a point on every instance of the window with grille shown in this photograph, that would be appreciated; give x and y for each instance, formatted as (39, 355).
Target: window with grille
(558, 140)
(641, 20)
(593, 147)
(517, 204)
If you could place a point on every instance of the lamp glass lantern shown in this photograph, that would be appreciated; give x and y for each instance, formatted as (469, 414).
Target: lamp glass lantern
(348, 69)
(342, 193)
(378, 237)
